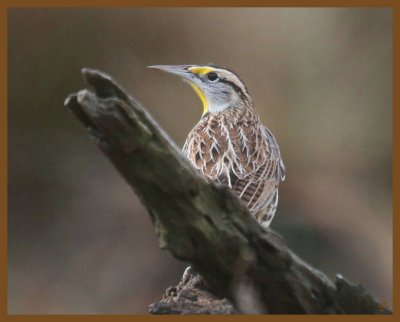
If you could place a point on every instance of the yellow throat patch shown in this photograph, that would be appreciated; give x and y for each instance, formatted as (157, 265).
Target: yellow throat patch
(200, 93)
(201, 70)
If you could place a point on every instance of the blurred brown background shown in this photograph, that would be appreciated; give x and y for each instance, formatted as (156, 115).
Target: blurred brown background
(79, 239)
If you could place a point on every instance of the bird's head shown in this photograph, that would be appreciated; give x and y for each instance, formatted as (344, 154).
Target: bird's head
(217, 87)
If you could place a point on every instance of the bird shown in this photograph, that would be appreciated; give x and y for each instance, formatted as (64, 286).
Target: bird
(230, 146)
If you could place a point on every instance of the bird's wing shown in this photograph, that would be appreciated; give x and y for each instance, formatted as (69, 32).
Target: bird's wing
(258, 187)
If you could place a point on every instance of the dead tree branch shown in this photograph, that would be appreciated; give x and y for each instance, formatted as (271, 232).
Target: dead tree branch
(203, 224)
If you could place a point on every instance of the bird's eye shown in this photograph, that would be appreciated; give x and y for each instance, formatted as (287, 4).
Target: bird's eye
(212, 76)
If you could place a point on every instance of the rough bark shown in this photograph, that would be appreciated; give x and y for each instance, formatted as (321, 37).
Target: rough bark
(243, 267)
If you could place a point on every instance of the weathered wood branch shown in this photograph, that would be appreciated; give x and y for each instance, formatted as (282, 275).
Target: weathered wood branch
(203, 224)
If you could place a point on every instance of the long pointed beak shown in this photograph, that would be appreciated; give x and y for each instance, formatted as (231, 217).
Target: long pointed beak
(180, 70)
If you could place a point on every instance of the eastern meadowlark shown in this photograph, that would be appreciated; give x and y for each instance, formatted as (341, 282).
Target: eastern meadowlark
(230, 145)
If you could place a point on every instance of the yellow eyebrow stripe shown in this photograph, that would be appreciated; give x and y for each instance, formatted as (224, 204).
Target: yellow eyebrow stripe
(201, 70)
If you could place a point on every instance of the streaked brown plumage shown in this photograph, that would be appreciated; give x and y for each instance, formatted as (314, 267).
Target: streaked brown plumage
(229, 145)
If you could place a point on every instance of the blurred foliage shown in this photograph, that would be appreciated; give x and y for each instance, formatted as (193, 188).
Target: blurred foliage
(79, 239)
